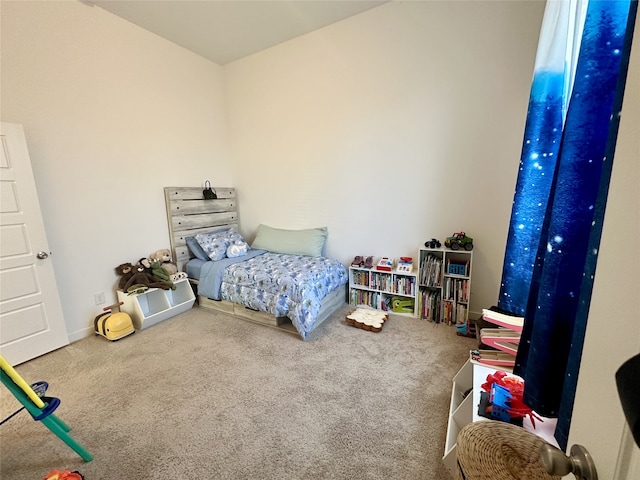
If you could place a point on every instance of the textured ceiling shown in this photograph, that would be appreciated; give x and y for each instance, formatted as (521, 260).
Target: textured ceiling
(226, 30)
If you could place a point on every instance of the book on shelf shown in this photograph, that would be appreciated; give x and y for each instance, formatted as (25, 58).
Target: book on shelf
(431, 270)
(429, 306)
(456, 289)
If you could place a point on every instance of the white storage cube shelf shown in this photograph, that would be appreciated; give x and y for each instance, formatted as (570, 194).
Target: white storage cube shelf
(460, 413)
(463, 409)
(155, 305)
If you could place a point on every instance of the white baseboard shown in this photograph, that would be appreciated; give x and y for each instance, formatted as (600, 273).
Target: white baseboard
(80, 334)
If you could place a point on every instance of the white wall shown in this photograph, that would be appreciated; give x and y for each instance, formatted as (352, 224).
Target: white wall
(112, 114)
(391, 127)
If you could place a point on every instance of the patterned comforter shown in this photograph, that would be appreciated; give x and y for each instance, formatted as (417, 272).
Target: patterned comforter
(290, 286)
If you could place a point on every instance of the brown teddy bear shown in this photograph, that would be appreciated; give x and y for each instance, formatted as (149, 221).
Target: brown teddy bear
(135, 275)
(125, 270)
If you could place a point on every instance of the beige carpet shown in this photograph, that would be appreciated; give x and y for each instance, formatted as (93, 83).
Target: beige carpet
(205, 396)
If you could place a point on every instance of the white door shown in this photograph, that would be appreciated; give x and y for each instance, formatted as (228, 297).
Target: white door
(31, 321)
(613, 328)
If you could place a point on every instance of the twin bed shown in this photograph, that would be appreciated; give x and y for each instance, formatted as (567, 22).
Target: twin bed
(281, 280)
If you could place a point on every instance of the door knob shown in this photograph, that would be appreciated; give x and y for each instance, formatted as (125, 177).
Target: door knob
(579, 462)
(42, 255)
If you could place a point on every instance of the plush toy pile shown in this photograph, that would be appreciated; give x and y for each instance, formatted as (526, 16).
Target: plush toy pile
(163, 258)
(156, 271)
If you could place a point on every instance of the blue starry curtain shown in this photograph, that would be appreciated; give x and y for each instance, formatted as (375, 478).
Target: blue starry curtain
(561, 192)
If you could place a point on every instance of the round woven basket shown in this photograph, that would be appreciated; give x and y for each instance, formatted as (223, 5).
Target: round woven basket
(492, 450)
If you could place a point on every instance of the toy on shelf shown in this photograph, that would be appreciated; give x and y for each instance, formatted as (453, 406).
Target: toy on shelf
(405, 264)
(433, 243)
(402, 305)
(459, 240)
(502, 399)
(385, 264)
(457, 267)
(362, 262)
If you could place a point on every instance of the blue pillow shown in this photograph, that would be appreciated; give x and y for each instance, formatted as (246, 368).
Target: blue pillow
(215, 244)
(196, 249)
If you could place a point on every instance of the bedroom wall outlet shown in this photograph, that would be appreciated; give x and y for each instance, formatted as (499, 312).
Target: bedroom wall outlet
(98, 298)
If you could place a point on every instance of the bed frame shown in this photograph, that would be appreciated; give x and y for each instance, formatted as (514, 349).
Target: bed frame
(188, 213)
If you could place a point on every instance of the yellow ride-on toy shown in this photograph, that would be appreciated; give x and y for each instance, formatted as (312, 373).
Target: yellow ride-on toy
(114, 324)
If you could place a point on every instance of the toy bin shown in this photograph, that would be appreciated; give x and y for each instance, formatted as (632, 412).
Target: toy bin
(182, 294)
(457, 268)
(155, 305)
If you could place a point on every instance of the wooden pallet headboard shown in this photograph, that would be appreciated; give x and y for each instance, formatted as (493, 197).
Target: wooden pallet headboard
(188, 213)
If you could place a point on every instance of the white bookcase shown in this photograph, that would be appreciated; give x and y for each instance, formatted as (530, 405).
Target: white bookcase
(155, 305)
(444, 285)
(394, 292)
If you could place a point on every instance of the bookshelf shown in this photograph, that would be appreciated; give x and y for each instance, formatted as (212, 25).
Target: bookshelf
(392, 291)
(444, 285)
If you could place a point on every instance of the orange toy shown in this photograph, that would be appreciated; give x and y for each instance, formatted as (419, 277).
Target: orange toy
(63, 475)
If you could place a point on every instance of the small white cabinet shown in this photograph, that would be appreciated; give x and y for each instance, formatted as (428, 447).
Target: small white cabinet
(155, 305)
(463, 409)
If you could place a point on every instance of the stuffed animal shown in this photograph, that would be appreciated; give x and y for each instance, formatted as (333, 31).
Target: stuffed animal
(164, 257)
(158, 271)
(146, 264)
(178, 276)
(125, 271)
(139, 277)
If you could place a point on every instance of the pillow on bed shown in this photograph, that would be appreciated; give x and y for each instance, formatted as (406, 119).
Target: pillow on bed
(237, 248)
(215, 243)
(196, 249)
(295, 242)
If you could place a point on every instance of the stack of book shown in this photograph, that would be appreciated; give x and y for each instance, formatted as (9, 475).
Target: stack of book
(431, 271)
(504, 339)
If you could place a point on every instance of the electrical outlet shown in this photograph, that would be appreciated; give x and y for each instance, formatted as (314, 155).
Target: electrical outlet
(98, 298)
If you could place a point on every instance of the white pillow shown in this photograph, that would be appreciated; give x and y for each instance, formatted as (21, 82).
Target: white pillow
(238, 248)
